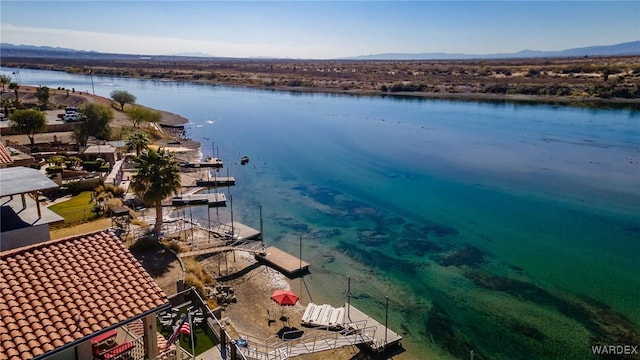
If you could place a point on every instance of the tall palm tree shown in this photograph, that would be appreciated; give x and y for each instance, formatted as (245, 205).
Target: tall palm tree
(15, 87)
(138, 141)
(158, 176)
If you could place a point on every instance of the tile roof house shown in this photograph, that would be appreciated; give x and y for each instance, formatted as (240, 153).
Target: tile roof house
(5, 157)
(14, 154)
(62, 298)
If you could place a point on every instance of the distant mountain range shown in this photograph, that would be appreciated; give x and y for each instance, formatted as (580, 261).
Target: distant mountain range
(628, 48)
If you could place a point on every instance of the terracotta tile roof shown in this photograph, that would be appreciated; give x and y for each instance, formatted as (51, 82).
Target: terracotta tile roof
(5, 155)
(55, 293)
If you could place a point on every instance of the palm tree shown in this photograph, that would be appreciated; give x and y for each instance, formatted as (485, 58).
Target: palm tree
(158, 176)
(4, 79)
(138, 141)
(15, 87)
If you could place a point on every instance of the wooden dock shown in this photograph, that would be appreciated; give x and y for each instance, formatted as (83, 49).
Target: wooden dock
(241, 231)
(380, 336)
(284, 262)
(217, 181)
(218, 249)
(208, 163)
(212, 200)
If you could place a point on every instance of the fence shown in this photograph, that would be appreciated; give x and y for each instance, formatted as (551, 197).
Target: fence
(315, 340)
(18, 147)
(228, 349)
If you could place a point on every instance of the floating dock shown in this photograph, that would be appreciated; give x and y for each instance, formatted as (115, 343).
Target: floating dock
(212, 200)
(284, 262)
(208, 163)
(217, 181)
(381, 337)
(241, 231)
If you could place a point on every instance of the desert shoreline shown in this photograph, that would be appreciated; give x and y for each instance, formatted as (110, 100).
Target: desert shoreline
(589, 81)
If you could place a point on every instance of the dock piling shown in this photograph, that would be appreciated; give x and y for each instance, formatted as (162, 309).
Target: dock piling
(386, 320)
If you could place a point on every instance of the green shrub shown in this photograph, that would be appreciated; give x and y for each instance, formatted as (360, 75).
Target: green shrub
(91, 165)
(54, 170)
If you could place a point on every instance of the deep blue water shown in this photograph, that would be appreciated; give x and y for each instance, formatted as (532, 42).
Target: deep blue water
(503, 228)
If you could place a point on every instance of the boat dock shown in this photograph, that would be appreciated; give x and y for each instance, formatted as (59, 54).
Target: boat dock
(350, 330)
(217, 181)
(212, 200)
(381, 337)
(207, 163)
(289, 265)
(218, 249)
(239, 231)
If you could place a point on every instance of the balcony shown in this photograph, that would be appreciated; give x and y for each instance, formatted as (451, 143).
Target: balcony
(127, 342)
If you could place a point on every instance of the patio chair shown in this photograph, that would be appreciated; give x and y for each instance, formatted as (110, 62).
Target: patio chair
(271, 316)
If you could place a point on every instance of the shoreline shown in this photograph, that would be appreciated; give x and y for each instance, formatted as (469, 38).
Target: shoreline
(562, 81)
(461, 96)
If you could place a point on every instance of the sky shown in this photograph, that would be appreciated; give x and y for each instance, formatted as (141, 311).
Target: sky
(317, 29)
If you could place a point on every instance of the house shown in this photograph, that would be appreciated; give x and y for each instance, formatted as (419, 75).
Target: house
(106, 152)
(5, 157)
(14, 154)
(82, 297)
(24, 220)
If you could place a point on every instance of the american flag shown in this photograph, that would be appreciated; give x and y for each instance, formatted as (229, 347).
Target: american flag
(183, 328)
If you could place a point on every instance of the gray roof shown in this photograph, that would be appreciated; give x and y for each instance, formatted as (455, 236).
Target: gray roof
(20, 180)
(14, 216)
(99, 149)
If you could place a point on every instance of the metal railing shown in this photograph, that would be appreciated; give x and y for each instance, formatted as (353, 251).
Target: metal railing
(315, 340)
(131, 350)
(230, 346)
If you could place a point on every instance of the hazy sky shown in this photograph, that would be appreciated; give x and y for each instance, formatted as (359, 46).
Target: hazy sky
(317, 29)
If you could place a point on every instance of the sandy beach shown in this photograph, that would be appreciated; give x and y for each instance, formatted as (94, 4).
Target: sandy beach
(248, 316)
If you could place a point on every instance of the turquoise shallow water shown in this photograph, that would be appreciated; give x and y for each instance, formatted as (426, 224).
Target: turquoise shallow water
(508, 229)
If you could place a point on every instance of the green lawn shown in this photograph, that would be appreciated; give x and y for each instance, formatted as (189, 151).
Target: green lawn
(77, 209)
(202, 341)
(204, 338)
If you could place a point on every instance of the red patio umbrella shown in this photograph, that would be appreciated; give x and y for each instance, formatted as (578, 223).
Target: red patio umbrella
(284, 298)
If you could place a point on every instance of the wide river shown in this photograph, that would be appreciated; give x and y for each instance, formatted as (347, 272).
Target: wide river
(509, 229)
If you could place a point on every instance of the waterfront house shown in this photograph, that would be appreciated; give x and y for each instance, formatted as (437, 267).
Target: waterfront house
(82, 297)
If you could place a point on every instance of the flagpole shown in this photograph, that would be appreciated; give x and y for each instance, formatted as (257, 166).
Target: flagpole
(191, 331)
(92, 88)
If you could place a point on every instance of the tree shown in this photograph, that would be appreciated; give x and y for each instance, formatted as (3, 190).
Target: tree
(5, 80)
(158, 176)
(139, 114)
(29, 122)
(42, 93)
(57, 160)
(5, 106)
(73, 162)
(122, 97)
(15, 87)
(95, 122)
(138, 141)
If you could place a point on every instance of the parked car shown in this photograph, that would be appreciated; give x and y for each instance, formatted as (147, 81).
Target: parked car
(70, 109)
(73, 116)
